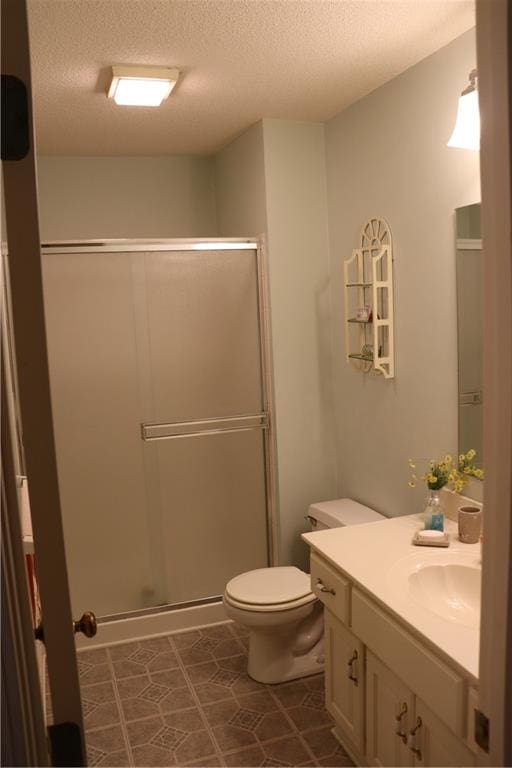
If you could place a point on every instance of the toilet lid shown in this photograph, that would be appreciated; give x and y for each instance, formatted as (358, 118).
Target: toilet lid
(269, 586)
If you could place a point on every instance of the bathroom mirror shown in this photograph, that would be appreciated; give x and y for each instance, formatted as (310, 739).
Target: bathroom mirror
(469, 270)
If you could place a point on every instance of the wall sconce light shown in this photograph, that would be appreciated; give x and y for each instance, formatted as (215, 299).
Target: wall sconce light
(466, 134)
(141, 86)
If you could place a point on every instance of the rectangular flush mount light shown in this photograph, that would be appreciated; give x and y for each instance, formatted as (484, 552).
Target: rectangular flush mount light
(142, 86)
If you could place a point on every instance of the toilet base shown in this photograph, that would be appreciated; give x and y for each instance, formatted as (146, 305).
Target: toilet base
(285, 644)
(301, 666)
(274, 656)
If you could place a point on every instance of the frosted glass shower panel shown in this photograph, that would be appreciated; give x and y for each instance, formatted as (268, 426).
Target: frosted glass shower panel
(144, 346)
(204, 342)
(94, 372)
(213, 511)
(204, 361)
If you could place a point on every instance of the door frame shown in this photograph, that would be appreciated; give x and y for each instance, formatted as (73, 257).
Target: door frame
(24, 735)
(494, 57)
(33, 397)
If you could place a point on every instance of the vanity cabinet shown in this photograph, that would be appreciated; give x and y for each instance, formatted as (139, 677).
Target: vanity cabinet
(438, 684)
(435, 743)
(393, 700)
(345, 681)
(401, 729)
(389, 715)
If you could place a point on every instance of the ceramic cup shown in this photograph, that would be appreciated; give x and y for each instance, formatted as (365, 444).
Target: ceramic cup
(470, 524)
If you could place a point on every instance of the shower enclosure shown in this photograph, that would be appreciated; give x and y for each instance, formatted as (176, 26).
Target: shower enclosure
(161, 392)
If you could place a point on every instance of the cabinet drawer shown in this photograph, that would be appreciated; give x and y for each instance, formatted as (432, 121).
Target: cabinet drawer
(442, 689)
(331, 588)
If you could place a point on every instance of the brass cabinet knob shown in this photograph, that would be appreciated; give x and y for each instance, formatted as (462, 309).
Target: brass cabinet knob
(87, 624)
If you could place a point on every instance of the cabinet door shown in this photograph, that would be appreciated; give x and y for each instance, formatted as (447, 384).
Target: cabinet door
(434, 743)
(389, 715)
(344, 684)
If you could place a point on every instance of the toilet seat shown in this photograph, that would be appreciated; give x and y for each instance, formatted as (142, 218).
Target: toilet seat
(270, 589)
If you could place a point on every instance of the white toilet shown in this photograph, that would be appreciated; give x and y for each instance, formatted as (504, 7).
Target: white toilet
(283, 615)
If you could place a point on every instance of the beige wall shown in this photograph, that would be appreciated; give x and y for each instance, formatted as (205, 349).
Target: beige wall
(95, 197)
(272, 179)
(387, 156)
(296, 197)
(240, 186)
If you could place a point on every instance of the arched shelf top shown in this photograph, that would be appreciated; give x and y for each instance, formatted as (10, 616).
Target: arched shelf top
(375, 233)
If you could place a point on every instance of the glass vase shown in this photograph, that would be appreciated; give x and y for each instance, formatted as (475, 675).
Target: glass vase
(434, 513)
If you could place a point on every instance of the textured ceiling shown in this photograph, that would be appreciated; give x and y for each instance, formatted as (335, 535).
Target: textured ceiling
(241, 60)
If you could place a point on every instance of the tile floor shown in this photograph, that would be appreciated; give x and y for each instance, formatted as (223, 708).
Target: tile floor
(186, 700)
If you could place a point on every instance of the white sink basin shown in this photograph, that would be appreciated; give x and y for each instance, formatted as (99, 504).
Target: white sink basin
(444, 582)
(450, 590)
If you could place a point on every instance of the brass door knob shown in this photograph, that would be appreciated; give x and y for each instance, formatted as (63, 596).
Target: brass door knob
(87, 624)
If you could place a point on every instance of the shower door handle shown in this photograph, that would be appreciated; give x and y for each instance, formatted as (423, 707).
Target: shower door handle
(205, 427)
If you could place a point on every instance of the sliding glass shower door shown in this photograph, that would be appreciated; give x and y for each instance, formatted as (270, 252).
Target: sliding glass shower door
(161, 418)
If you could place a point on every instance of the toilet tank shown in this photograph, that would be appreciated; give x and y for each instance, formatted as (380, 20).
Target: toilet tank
(340, 512)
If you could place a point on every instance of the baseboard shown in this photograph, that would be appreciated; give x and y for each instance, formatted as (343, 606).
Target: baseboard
(152, 625)
(349, 749)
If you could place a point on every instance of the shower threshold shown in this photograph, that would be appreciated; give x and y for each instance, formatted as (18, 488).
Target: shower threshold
(154, 622)
(161, 608)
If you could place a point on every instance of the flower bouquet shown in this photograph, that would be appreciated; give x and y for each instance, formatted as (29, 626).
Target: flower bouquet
(443, 472)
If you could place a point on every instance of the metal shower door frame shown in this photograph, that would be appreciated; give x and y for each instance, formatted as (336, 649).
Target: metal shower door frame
(264, 420)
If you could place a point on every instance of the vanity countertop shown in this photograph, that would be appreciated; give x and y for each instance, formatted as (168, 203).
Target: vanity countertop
(379, 557)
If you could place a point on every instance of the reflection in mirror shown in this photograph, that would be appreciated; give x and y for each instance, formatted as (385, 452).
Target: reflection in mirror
(469, 329)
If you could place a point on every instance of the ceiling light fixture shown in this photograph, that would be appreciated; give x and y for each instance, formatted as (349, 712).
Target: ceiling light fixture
(466, 134)
(142, 86)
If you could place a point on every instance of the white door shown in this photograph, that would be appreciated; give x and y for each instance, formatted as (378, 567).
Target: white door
(389, 715)
(18, 165)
